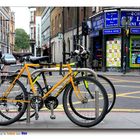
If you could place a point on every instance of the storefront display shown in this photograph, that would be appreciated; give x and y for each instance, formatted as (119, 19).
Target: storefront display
(134, 52)
(113, 52)
(118, 33)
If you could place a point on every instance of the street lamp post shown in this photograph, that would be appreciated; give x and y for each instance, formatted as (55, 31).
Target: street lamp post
(125, 23)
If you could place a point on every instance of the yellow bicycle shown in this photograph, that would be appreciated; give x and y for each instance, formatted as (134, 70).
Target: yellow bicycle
(14, 98)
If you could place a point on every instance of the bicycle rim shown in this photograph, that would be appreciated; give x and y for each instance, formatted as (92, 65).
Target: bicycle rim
(86, 113)
(12, 111)
(110, 89)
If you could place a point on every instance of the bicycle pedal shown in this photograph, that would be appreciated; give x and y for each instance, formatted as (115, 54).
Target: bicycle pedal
(53, 117)
(36, 116)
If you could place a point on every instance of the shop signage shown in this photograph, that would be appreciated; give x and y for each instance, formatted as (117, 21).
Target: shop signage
(111, 31)
(94, 34)
(98, 22)
(135, 30)
(134, 17)
(111, 19)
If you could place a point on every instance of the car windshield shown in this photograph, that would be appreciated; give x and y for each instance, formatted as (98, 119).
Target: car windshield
(9, 56)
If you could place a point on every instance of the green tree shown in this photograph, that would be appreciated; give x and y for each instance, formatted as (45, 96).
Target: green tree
(21, 40)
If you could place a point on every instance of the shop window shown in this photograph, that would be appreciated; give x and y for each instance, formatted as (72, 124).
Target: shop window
(113, 52)
(134, 51)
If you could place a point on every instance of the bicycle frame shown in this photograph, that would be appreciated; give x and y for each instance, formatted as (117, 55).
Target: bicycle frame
(63, 87)
(26, 68)
(45, 82)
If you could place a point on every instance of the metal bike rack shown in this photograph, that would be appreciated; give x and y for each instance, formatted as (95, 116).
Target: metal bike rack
(66, 70)
(28, 106)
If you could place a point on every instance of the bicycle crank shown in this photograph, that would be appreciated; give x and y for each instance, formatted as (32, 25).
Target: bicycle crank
(36, 103)
(36, 100)
(51, 103)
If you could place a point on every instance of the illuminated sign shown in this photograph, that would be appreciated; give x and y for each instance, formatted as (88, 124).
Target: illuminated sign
(133, 16)
(112, 31)
(111, 19)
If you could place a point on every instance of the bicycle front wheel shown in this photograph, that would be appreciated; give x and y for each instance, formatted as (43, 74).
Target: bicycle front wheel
(86, 109)
(12, 106)
(39, 90)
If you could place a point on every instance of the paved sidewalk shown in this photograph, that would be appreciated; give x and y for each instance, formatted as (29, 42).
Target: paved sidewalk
(114, 120)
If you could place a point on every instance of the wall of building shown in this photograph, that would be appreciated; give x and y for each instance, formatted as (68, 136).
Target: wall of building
(35, 30)
(45, 26)
(56, 21)
(56, 34)
(57, 49)
(12, 31)
(4, 32)
(38, 43)
(70, 18)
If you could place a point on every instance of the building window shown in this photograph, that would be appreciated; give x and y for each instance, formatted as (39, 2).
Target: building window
(32, 16)
(32, 33)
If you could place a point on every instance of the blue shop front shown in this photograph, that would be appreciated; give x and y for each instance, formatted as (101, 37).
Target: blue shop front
(115, 40)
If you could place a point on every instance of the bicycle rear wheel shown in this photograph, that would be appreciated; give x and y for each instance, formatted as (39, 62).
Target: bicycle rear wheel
(110, 89)
(13, 106)
(92, 109)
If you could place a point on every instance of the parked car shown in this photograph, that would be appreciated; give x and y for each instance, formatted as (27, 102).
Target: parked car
(8, 59)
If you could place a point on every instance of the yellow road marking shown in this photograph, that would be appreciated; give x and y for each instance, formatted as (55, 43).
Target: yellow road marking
(134, 97)
(127, 93)
(87, 109)
(125, 110)
(127, 81)
(127, 86)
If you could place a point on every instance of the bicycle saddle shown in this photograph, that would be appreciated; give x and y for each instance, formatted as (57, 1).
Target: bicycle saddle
(38, 59)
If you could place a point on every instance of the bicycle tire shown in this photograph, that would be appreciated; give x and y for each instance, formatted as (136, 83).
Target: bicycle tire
(111, 104)
(32, 115)
(67, 101)
(110, 84)
(21, 111)
(39, 88)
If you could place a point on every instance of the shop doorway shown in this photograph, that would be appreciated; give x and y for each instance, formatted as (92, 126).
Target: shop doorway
(97, 53)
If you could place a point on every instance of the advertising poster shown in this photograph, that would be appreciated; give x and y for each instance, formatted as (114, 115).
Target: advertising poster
(113, 53)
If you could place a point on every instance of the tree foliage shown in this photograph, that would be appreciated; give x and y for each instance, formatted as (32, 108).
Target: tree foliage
(21, 39)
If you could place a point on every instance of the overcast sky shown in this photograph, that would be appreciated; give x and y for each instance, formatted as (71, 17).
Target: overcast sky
(22, 16)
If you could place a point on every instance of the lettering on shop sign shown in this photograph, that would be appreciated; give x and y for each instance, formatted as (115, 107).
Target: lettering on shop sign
(98, 22)
(135, 30)
(111, 19)
(111, 31)
(133, 16)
